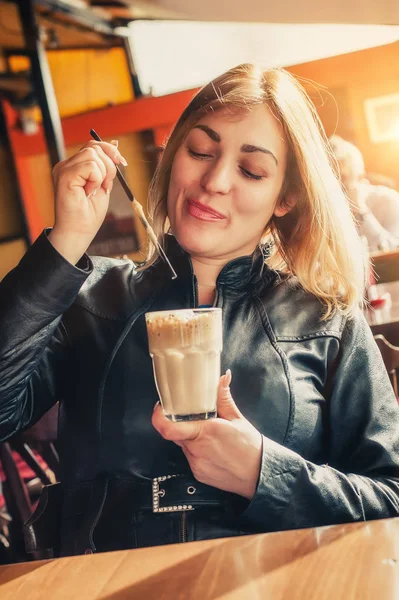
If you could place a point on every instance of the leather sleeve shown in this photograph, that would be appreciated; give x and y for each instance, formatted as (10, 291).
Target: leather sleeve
(33, 347)
(360, 481)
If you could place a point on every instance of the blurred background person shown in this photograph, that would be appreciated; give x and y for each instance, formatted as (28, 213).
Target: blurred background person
(375, 207)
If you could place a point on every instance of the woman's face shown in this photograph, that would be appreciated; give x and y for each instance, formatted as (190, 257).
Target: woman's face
(225, 182)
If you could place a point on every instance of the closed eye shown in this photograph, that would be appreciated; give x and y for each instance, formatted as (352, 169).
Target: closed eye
(204, 156)
(250, 175)
(198, 155)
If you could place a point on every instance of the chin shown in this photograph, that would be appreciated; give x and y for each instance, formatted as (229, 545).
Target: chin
(196, 242)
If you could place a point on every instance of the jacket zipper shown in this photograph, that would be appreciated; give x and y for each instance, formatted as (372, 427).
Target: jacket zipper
(183, 528)
(97, 517)
(217, 296)
(195, 291)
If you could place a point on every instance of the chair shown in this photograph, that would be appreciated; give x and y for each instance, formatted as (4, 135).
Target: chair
(41, 438)
(21, 492)
(390, 356)
(18, 502)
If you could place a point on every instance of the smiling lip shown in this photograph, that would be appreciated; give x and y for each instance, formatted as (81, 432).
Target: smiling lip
(203, 212)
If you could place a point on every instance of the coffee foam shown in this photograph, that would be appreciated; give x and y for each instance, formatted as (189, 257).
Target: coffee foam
(183, 328)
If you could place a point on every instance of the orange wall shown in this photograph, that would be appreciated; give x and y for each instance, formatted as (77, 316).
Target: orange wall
(85, 79)
(352, 78)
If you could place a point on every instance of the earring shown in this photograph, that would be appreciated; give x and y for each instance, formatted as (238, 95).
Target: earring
(266, 249)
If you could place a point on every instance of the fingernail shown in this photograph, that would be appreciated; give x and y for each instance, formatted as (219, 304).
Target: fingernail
(93, 193)
(123, 161)
(114, 143)
(227, 377)
(108, 190)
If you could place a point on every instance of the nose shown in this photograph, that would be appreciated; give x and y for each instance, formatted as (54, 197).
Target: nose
(217, 178)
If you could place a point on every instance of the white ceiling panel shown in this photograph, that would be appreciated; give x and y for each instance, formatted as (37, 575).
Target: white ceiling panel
(171, 56)
(384, 12)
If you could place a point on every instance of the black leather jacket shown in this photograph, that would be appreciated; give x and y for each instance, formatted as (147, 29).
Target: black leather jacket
(317, 391)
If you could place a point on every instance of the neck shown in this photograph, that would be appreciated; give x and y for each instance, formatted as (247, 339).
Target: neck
(206, 272)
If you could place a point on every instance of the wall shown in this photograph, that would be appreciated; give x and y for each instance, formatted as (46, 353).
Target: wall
(84, 80)
(10, 221)
(11, 224)
(352, 78)
(10, 254)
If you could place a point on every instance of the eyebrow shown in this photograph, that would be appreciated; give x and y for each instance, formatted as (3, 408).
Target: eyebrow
(248, 148)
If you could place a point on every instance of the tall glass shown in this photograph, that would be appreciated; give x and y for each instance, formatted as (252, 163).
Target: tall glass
(185, 347)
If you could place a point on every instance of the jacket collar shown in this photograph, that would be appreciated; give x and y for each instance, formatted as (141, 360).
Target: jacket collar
(236, 274)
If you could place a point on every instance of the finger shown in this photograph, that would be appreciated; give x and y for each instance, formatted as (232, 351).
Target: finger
(87, 153)
(111, 150)
(227, 408)
(175, 432)
(70, 166)
(58, 166)
(109, 190)
(227, 379)
(88, 177)
(105, 164)
(110, 168)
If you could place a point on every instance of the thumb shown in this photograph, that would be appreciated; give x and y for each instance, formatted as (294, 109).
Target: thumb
(227, 408)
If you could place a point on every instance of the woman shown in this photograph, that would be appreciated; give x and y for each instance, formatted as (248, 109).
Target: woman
(308, 433)
(374, 207)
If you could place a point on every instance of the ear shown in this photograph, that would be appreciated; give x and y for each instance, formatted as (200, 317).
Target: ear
(284, 205)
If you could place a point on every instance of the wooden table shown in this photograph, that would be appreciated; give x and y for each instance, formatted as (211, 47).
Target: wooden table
(386, 320)
(353, 561)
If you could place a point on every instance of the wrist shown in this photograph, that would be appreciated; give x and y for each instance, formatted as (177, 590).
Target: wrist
(70, 246)
(252, 479)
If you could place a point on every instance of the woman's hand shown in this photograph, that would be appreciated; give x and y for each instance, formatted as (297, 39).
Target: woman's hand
(224, 452)
(82, 184)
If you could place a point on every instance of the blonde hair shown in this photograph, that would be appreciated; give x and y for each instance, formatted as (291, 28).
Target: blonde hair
(317, 240)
